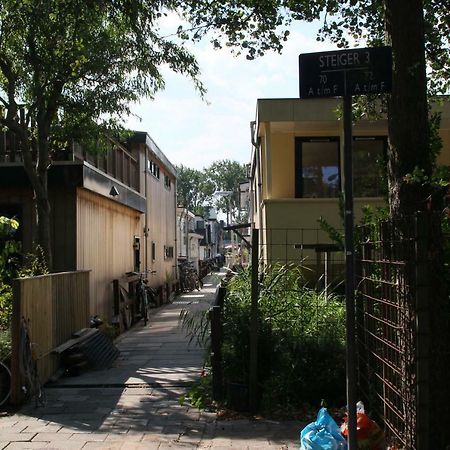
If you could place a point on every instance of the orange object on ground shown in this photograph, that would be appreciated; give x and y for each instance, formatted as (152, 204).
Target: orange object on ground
(368, 434)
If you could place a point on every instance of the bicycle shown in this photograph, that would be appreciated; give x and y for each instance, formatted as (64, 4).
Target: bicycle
(145, 298)
(5, 383)
(189, 279)
(31, 386)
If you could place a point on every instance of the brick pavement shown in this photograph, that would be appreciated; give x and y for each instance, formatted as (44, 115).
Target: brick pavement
(135, 404)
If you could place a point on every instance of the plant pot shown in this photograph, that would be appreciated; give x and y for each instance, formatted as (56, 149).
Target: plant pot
(238, 396)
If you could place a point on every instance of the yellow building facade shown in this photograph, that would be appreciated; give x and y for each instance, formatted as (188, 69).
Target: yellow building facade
(296, 174)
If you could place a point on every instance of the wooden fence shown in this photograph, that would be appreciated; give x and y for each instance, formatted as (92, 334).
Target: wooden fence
(53, 307)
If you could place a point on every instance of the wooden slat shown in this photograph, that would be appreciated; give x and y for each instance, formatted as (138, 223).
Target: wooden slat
(54, 306)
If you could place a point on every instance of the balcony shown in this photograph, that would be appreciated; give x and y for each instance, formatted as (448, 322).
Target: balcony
(117, 161)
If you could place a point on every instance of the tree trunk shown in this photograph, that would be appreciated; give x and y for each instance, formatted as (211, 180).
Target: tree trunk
(38, 176)
(409, 148)
(43, 226)
(409, 145)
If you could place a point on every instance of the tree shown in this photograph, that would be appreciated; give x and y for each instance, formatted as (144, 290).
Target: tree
(226, 175)
(418, 31)
(70, 69)
(194, 190)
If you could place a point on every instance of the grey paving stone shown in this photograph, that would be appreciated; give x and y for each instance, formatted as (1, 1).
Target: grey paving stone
(88, 437)
(27, 445)
(19, 437)
(47, 437)
(140, 446)
(42, 428)
(131, 436)
(56, 445)
(102, 445)
(15, 428)
(7, 422)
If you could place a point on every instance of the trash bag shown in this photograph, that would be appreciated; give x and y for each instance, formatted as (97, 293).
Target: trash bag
(369, 435)
(323, 434)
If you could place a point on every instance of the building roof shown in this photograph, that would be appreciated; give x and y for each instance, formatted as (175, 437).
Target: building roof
(142, 137)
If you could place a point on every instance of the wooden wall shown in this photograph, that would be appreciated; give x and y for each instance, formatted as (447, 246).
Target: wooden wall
(63, 215)
(53, 307)
(161, 222)
(105, 232)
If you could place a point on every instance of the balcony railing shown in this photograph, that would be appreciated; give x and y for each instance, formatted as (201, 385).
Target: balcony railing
(117, 161)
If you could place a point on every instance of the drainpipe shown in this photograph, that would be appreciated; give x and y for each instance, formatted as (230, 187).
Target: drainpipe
(146, 209)
(256, 142)
(186, 224)
(175, 267)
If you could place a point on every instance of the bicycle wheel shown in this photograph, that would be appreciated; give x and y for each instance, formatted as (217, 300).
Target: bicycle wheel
(144, 306)
(141, 297)
(145, 312)
(5, 383)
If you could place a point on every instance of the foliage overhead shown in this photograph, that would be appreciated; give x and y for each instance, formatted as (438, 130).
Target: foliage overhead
(70, 70)
(196, 189)
(226, 176)
(256, 27)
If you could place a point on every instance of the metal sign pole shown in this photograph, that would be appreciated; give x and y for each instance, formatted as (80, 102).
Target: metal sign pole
(349, 274)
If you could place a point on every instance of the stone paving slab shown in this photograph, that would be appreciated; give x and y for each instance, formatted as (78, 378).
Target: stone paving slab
(135, 404)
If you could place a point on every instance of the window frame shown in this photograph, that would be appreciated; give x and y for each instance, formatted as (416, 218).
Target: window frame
(298, 164)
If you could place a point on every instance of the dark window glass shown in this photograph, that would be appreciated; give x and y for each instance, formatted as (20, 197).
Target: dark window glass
(317, 168)
(369, 168)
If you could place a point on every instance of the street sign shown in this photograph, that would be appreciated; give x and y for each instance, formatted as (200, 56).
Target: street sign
(359, 71)
(345, 73)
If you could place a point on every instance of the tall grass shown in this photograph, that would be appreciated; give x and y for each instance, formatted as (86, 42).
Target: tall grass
(301, 341)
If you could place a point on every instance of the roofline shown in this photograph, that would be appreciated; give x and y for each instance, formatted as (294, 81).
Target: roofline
(144, 138)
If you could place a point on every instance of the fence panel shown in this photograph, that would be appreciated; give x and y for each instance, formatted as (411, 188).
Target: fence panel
(53, 307)
(393, 327)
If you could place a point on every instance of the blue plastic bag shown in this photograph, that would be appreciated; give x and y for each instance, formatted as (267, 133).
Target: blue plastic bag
(323, 434)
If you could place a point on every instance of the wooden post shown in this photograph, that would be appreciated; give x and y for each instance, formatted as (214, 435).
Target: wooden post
(253, 382)
(221, 291)
(216, 352)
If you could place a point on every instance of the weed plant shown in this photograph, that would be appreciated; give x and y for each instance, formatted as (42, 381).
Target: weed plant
(301, 339)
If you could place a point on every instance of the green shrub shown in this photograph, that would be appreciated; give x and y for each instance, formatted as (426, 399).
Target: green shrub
(5, 305)
(5, 345)
(301, 339)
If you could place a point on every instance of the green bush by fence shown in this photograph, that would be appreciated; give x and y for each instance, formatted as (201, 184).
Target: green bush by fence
(301, 339)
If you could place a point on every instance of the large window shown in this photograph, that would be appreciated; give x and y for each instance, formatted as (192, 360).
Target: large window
(317, 167)
(369, 167)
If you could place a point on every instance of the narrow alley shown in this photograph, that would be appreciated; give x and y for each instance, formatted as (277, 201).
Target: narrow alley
(135, 404)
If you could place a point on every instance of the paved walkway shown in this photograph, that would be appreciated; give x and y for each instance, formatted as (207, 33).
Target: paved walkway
(135, 404)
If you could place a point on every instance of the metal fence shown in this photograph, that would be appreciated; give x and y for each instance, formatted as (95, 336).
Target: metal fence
(399, 326)
(311, 248)
(387, 335)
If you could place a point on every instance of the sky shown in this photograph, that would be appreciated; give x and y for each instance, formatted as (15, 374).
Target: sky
(195, 132)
